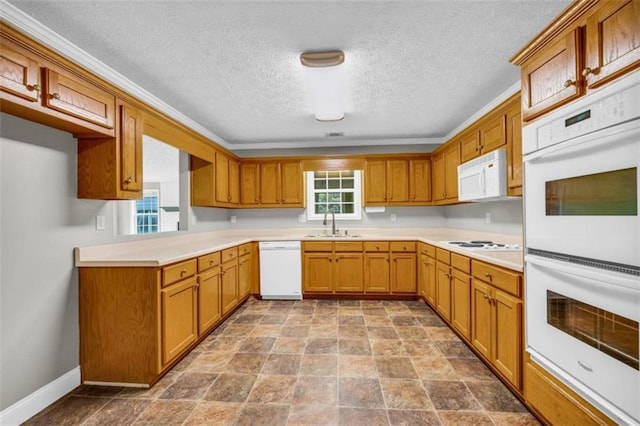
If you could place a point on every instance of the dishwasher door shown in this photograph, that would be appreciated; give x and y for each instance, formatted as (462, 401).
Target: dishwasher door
(280, 270)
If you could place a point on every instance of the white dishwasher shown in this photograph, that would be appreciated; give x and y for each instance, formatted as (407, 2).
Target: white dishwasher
(280, 270)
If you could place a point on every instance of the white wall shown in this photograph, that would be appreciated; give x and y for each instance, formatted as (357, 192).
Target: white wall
(505, 216)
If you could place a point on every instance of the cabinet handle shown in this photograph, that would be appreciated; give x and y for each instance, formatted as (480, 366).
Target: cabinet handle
(404, 247)
(587, 71)
(569, 83)
(378, 248)
(211, 263)
(33, 87)
(182, 272)
(55, 96)
(444, 194)
(488, 276)
(128, 180)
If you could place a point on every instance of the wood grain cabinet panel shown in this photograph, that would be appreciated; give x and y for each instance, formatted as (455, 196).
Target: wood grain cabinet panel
(438, 176)
(179, 326)
(403, 272)
(229, 283)
(291, 183)
(209, 303)
(377, 270)
(493, 134)
(179, 271)
(80, 99)
(469, 146)
(513, 119)
(375, 177)
(131, 129)
(398, 181)
(244, 275)
(451, 161)
(443, 290)
(420, 180)
(318, 272)
(269, 183)
(19, 75)
(482, 318)
(249, 184)
(613, 41)
(349, 272)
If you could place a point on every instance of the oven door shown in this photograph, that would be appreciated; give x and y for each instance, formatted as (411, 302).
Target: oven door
(582, 325)
(581, 196)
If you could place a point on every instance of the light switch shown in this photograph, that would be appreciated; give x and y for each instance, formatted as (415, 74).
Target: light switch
(100, 223)
(394, 217)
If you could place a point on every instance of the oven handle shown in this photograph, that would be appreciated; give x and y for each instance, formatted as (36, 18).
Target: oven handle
(585, 272)
(482, 178)
(601, 137)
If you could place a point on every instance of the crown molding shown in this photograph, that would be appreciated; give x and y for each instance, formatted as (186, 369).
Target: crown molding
(41, 33)
(337, 142)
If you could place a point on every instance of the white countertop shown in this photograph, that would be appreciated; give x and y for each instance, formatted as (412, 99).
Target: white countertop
(161, 251)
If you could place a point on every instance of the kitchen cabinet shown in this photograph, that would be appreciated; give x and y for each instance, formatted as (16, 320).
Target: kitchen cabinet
(488, 135)
(513, 118)
(497, 320)
(403, 267)
(209, 304)
(318, 272)
(376, 267)
(427, 274)
(420, 180)
(461, 294)
(349, 272)
(397, 181)
(333, 267)
(588, 45)
(215, 182)
(249, 184)
(443, 290)
(244, 270)
(179, 327)
(445, 173)
(271, 184)
(19, 75)
(111, 167)
(229, 280)
(227, 183)
(469, 146)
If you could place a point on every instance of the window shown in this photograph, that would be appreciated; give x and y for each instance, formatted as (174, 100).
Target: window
(334, 191)
(147, 218)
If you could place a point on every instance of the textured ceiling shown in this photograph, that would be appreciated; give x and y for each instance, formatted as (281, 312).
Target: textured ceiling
(416, 70)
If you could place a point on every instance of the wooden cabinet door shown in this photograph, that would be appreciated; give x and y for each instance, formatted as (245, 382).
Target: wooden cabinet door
(403, 273)
(222, 178)
(229, 284)
(178, 319)
(443, 290)
(507, 336)
(552, 78)
(376, 269)
(431, 281)
(269, 183)
(234, 181)
(291, 183)
(244, 276)
(349, 272)
(19, 74)
(420, 180)
(318, 271)
(397, 181)
(613, 41)
(80, 99)
(493, 134)
(209, 305)
(438, 177)
(375, 178)
(131, 127)
(469, 146)
(461, 303)
(514, 149)
(249, 184)
(481, 317)
(452, 161)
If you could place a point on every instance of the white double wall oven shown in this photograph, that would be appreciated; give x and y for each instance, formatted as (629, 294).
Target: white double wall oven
(582, 239)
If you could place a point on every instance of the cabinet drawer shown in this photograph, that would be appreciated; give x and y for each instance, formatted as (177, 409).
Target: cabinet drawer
(208, 261)
(318, 246)
(498, 277)
(461, 263)
(348, 246)
(428, 250)
(229, 254)
(403, 246)
(443, 256)
(244, 249)
(376, 246)
(179, 271)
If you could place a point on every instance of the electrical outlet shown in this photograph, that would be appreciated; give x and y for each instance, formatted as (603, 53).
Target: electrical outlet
(487, 217)
(302, 217)
(233, 219)
(394, 217)
(100, 223)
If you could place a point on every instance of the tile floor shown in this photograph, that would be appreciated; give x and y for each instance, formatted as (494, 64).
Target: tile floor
(311, 362)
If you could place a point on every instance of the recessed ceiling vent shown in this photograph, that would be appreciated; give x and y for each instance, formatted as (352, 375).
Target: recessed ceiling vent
(333, 134)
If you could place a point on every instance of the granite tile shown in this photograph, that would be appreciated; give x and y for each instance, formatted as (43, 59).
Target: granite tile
(420, 348)
(374, 311)
(495, 396)
(472, 370)
(382, 333)
(327, 316)
(118, 412)
(282, 364)
(266, 330)
(273, 319)
(263, 415)
(313, 415)
(441, 333)
(316, 391)
(430, 321)
(257, 344)
(70, 410)
(362, 417)
(322, 346)
(453, 349)
(223, 344)
(434, 368)
(462, 418)
(354, 347)
(513, 419)
(319, 365)
(238, 329)
(206, 412)
(413, 418)
(293, 345)
(248, 319)
(323, 330)
(357, 366)
(360, 392)
(395, 368)
(380, 321)
(450, 395)
(246, 362)
(296, 320)
(352, 331)
(350, 320)
(165, 412)
(388, 348)
(295, 331)
(405, 394)
(212, 362)
(273, 390)
(348, 302)
(404, 320)
(189, 386)
(231, 388)
(412, 333)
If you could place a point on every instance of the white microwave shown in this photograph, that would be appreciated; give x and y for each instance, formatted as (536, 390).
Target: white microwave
(483, 178)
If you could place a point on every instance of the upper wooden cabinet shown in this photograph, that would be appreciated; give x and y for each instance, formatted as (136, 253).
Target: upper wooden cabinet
(227, 186)
(590, 44)
(445, 173)
(215, 183)
(19, 74)
(397, 181)
(513, 119)
(111, 167)
(271, 184)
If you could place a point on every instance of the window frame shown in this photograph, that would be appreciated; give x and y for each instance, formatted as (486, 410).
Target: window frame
(135, 214)
(311, 191)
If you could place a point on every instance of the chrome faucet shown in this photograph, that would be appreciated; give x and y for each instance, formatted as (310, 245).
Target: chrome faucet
(333, 221)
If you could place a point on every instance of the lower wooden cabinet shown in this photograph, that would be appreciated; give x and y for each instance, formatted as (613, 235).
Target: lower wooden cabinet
(318, 272)
(377, 270)
(179, 327)
(443, 290)
(403, 272)
(229, 283)
(349, 272)
(461, 302)
(244, 274)
(209, 305)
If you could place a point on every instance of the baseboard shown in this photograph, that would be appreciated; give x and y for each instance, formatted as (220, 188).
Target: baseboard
(32, 404)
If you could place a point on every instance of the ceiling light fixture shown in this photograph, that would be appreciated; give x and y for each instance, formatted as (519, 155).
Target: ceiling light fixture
(324, 77)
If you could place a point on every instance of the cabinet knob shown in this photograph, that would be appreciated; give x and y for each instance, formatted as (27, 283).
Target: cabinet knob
(55, 96)
(33, 87)
(211, 263)
(128, 180)
(569, 83)
(587, 71)
(444, 194)
(486, 297)
(488, 276)
(182, 272)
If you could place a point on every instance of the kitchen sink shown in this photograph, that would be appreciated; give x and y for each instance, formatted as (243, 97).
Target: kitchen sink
(325, 235)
